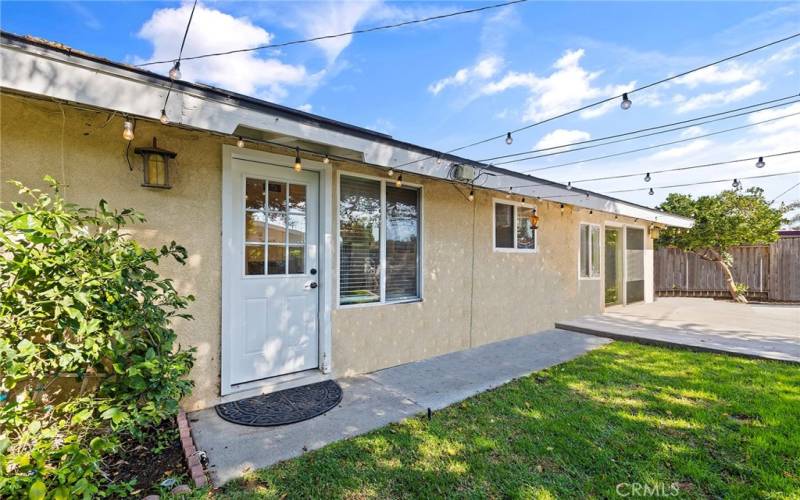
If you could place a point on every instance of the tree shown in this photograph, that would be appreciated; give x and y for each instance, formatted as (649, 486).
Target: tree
(722, 221)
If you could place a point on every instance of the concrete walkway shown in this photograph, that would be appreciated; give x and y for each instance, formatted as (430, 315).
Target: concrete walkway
(376, 399)
(751, 330)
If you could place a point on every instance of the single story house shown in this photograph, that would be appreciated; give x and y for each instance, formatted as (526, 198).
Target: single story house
(317, 249)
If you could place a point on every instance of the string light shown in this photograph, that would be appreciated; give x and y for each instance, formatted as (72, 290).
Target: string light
(508, 194)
(390, 173)
(760, 163)
(127, 130)
(569, 186)
(175, 72)
(651, 192)
(399, 181)
(626, 102)
(647, 177)
(509, 139)
(240, 142)
(591, 212)
(736, 184)
(562, 209)
(471, 196)
(326, 160)
(298, 165)
(164, 120)
(523, 200)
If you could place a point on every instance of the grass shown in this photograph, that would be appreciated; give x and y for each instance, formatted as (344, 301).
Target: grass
(693, 424)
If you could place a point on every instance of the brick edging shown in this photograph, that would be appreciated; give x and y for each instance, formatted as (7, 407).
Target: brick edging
(190, 452)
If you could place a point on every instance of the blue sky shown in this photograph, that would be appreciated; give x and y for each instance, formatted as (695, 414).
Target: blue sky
(452, 82)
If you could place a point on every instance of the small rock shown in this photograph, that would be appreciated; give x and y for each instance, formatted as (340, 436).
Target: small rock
(181, 489)
(169, 482)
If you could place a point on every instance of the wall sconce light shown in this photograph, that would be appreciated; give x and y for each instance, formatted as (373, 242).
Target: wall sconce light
(534, 221)
(156, 166)
(655, 232)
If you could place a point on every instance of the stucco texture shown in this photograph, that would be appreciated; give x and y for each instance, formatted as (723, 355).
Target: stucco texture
(472, 295)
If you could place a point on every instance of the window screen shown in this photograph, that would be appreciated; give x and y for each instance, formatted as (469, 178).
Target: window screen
(359, 232)
(402, 230)
(590, 251)
(503, 225)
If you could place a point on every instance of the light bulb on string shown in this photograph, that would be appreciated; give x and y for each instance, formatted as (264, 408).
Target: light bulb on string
(399, 181)
(569, 186)
(175, 72)
(760, 163)
(127, 130)
(736, 184)
(298, 164)
(164, 120)
(651, 192)
(390, 173)
(509, 139)
(471, 196)
(240, 142)
(562, 209)
(326, 160)
(647, 177)
(508, 194)
(626, 103)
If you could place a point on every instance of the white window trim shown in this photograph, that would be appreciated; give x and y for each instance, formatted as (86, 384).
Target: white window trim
(420, 246)
(515, 204)
(599, 248)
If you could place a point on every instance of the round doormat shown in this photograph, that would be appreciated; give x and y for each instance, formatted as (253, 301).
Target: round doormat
(283, 407)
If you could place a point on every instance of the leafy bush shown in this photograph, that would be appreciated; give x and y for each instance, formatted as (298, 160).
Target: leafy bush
(87, 353)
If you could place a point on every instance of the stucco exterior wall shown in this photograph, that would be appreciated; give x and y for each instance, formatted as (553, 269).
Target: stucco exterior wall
(472, 295)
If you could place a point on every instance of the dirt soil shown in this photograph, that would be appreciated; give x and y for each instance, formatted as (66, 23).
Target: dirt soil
(160, 456)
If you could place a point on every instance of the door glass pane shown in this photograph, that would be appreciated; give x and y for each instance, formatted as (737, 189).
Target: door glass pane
(503, 225)
(297, 228)
(254, 226)
(525, 233)
(254, 259)
(277, 228)
(296, 260)
(276, 259)
(613, 267)
(402, 240)
(359, 233)
(297, 198)
(595, 264)
(254, 194)
(277, 196)
(634, 265)
(584, 251)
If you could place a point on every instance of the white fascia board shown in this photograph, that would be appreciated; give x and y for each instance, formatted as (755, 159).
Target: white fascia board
(39, 71)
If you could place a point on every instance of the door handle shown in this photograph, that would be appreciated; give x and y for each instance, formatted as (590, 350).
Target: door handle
(313, 285)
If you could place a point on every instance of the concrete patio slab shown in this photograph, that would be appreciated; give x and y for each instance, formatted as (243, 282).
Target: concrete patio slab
(751, 330)
(374, 400)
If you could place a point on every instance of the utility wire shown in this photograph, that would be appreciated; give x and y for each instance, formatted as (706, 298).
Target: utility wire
(180, 54)
(783, 193)
(632, 132)
(609, 99)
(691, 167)
(338, 35)
(655, 146)
(705, 182)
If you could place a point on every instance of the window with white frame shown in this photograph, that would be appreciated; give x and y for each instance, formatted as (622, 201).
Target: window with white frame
(590, 251)
(379, 234)
(514, 227)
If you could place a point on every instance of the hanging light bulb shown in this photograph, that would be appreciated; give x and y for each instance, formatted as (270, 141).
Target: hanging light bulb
(438, 160)
(399, 181)
(523, 199)
(647, 177)
(626, 103)
(591, 212)
(760, 163)
(326, 160)
(298, 165)
(127, 130)
(471, 196)
(509, 139)
(562, 209)
(569, 186)
(240, 142)
(736, 184)
(390, 172)
(175, 72)
(164, 120)
(508, 194)
(651, 192)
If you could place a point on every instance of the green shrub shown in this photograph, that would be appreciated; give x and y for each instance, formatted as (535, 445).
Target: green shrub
(87, 353)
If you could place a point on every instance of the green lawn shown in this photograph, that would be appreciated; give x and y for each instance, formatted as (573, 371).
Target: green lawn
(712, 425)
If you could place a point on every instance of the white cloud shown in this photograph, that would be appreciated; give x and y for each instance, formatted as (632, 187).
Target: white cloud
(561, 137)
(731, 73)
(789, 123)
(485, 68)
(305, 107)
(692, 132)
(570, 86)
(721, 97)
(681, 151)
(214, 31)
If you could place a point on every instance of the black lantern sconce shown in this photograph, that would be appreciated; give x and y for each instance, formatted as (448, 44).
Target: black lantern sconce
(156, 165)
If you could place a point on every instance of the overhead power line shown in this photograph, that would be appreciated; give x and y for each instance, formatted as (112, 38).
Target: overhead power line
(656, 146)
(705, 182)
(784, 193)
(175, 72)
(609, 99)
(656, 127)
(339, 35)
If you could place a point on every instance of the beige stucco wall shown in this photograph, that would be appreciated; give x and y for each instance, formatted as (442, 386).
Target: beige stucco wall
(503, 295)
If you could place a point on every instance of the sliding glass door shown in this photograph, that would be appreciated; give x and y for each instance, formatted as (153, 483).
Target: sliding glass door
(613, 266)
(634, 265)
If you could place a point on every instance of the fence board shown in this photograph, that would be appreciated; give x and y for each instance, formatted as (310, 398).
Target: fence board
(769, 271)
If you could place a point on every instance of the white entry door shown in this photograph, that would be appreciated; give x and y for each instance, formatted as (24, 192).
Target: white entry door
(272, 290)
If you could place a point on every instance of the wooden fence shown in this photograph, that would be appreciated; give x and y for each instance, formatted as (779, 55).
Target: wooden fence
(771, 272)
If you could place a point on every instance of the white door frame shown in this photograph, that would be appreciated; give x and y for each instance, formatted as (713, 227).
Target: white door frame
(230, 269)
(623, 229)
